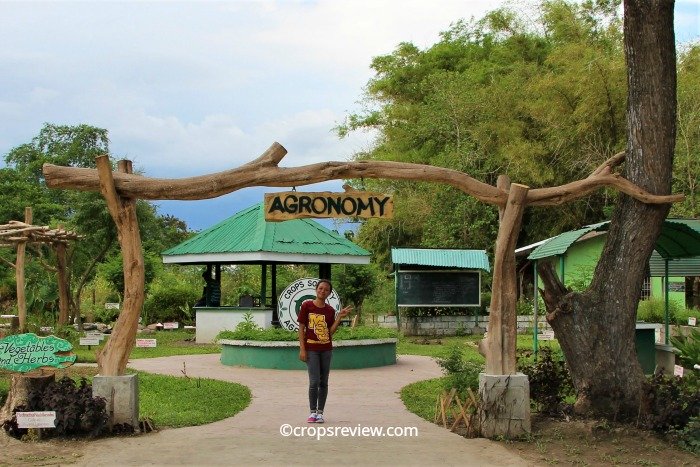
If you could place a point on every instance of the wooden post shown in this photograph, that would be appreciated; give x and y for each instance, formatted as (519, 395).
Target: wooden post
(63, 295)
(19, 276)
(114, 356)
(501, 338)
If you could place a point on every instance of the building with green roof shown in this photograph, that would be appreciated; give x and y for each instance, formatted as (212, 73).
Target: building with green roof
(246, 238)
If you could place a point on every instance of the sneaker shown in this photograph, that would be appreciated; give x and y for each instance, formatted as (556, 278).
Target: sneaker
(319, 418)
(312, 418)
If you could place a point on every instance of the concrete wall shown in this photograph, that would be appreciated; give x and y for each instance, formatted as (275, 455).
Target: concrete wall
(453, 325)
(211, 321)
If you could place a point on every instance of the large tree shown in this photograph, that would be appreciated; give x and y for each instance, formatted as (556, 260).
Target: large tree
(596, 328)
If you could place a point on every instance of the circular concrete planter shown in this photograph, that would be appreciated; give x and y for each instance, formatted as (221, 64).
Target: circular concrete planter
(284, 355)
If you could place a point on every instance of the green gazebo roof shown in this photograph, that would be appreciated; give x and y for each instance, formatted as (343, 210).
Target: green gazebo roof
(679, 238)
(247, 238)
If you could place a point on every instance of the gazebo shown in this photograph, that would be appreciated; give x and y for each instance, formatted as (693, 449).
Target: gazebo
(246, 238)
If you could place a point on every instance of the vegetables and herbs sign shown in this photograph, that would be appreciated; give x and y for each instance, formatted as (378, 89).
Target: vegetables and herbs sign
(26, 352)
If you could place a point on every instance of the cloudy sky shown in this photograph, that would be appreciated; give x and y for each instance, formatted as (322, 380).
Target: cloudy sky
(189, 88)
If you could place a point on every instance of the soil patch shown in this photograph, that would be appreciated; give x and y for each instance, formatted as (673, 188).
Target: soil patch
(586, 442)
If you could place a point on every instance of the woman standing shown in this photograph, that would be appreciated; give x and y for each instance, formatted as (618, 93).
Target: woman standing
(317, 323)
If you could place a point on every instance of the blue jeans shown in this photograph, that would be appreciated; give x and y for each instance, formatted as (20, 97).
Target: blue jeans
(319, 366)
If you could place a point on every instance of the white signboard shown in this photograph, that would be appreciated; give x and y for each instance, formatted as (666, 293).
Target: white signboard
(170, 325)
(294, 295)
(678, 370)
(692, 321)
(94, 335)
(36, 419)
(46, 329)
(111, 306)
(89, 341)
(145, 342)
(546, 336)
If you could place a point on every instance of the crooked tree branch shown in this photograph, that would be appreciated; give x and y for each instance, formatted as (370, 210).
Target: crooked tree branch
(264, 171)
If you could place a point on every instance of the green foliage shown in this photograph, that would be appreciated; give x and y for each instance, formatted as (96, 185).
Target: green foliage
(170, 298)
(354, 282)
(460, 373)
(674, 401)
(688, 348)
(77, 412)
(653, 310)
(113, 271)
(688, 437)
(550, 381)
(251, 332)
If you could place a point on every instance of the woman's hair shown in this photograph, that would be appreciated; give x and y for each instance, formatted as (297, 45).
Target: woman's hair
(327, 282)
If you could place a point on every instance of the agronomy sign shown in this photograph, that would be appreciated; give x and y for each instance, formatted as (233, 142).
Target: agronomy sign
(26, 352)
(295, 205)
(294, 295)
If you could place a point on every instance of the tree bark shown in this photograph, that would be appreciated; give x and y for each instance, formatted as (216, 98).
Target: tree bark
(596, 328)
(500, 342)
(114, 356)
(63, 285)
(20, 387)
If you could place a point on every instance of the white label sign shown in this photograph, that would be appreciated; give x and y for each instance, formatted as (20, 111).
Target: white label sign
(170, 325)
(94, 335)
(46, 329)
(89, 341)
(678, 370)
(145, 342)
(297, 293)
(36, 419)
(111, 306)
(692, 321)
(546, 336)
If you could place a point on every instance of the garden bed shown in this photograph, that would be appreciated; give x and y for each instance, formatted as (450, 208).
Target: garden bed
(284, 355)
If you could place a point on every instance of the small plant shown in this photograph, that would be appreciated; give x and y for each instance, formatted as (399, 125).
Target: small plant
(550, 382)
(461, 374)
(688, 437)
(77, 412)
(673, 401)
(688, 348)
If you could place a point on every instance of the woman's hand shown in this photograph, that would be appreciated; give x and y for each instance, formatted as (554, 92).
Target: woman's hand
(345, 311)
(302, 355)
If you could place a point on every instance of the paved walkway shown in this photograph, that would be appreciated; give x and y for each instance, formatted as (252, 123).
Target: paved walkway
(366, 398)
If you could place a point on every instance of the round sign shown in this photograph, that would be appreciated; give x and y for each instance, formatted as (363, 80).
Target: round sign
(296, 293)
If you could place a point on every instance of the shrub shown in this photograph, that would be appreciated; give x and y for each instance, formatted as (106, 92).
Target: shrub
(550, 382)
(673, 401)
(461, 374)
(171, 301)
(77, 412)
(653, 310)
(688, 348)
(251, 332)
(688, 437)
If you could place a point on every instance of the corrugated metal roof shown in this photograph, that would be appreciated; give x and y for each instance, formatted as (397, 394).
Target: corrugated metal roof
(559, 244)
(466, 259)
(680, 267)
(247, 231)
(679, 238)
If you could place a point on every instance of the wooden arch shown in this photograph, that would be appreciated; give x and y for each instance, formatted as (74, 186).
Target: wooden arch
(122, 188)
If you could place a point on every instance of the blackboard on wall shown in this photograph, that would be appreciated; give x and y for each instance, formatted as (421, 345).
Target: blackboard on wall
(439, 288)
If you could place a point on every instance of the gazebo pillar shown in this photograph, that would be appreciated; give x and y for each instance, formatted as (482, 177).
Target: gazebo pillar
(273, 279)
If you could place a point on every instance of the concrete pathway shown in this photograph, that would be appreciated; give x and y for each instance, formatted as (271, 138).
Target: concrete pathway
(357, 398)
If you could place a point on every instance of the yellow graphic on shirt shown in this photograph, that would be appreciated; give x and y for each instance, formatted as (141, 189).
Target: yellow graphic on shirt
(317, 322)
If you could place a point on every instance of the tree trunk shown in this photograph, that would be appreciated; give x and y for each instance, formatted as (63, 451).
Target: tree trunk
(63, 285)
(597, 328)
(114, 356)
(20, 387)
